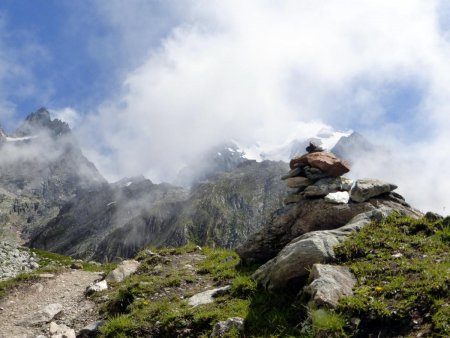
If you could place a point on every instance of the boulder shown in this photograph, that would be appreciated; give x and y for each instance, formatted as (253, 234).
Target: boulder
(328, 163)
(208, 296)
(367, 188)
(298, 182)
(125, 269)
(294, 261)
(222, 328)
(328, 185)
(340, 197)
(328, 284)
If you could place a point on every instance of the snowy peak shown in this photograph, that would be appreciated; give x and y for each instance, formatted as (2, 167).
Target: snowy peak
(326, 138)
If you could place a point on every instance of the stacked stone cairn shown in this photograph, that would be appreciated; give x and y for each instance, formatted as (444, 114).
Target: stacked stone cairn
(318, 174)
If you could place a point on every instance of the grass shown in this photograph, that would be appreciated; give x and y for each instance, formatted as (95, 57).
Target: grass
(403, 270)
(134, 310)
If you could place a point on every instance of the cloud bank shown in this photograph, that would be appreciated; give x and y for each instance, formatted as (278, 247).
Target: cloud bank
(267, 71)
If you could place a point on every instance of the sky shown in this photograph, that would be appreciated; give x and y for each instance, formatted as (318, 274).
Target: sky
(147, 85)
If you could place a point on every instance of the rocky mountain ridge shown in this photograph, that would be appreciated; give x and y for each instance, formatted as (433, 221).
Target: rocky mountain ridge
(42, 168)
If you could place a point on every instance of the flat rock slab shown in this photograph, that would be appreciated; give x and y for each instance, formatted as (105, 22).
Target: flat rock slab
(327, 162)
(44, 316)
(328, 185)
(367, 188)
(298, 182)
(208, 296)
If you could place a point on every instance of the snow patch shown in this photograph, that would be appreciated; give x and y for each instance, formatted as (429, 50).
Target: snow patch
(17, 139)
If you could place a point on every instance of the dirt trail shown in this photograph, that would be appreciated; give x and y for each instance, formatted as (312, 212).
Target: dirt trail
(66, 289)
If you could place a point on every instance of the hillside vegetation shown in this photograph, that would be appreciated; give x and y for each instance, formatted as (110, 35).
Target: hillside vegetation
(402, 266)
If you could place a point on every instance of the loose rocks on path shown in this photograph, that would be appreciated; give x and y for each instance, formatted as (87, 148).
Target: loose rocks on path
(25, 303)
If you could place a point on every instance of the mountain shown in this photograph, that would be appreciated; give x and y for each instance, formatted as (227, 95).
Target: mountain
(120, 219)
(354, 146)
(223, 157)
(42, 167)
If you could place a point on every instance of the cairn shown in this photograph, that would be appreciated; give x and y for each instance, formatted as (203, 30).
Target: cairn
(318, 174)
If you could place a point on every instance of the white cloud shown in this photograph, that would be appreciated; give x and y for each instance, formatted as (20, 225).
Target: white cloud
(253, 70)
(68, 115)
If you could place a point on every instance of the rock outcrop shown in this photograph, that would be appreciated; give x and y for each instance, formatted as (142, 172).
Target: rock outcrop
(294, 261)
(319, 202)
(118, 220)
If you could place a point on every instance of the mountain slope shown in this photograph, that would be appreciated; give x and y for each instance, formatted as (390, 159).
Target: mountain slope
(119, 220)
(42, 167)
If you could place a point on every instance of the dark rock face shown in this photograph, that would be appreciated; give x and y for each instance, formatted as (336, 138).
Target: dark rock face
(42, 168)
(229, 207)
(116, 220)
(294, 220)
(120, 219)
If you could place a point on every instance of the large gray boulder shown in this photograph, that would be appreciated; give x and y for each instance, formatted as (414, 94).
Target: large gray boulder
(125, 269)
(293, 263)
(328, 185)
(294, 220)
(366, 188)
(328, 284)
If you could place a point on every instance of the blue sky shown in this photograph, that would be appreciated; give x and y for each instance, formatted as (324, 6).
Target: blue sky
(147, 85)
(80, 55)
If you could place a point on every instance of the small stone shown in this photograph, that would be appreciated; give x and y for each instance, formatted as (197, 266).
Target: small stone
(290, 199)
(34, 265)
(223, 327)
(76, 266)
(340, 197)
(298, 182)
(91, 330)
(38, 287)
(61, 331)
(96, 287)
(293, 173)
(397, 255)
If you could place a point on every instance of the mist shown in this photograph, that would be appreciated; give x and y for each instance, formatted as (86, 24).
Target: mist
(266, 73)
